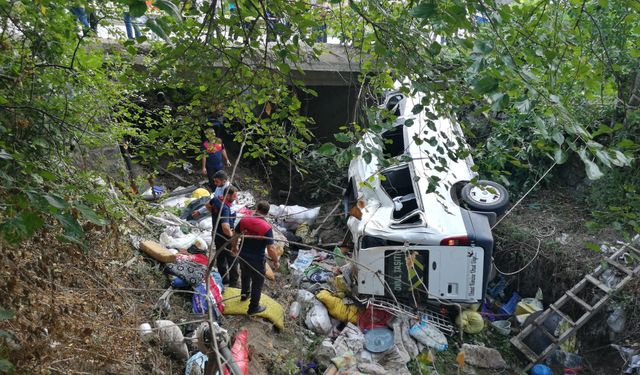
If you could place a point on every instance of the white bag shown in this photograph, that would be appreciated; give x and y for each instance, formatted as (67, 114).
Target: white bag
(305, 296)
(172, 338)
(429, 335)
(176, 202)
(318, 319)
(175, 239)
(290, 217)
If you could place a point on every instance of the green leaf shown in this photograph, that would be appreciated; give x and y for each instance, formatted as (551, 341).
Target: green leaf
(170, 8)
(5, 155)
(560, 156)
(6, 314)
(485, 85)
(367, 157)
(90, 215)
(528, 74)
(593, 247)
(31, 221)
(435, 48)
(342, 137)
(592, 169)
(602, 129)
(558, 137)
(156, 28)
(482, 47)
(132, 50)
(603, 157)
(56, 201)
(508, 61)
(283, 67)
(523, 106)
(71, 226)
(424, 10)
(327, 149)
(137, 8)
(619, 159)
(626, 144)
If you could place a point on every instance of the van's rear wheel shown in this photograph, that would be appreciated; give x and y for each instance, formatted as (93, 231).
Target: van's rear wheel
(486, 196)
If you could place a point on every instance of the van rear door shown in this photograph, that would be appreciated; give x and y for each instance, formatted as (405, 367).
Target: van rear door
(449, 272)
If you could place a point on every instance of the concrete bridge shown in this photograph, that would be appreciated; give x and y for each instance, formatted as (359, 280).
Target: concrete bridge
(333, 76)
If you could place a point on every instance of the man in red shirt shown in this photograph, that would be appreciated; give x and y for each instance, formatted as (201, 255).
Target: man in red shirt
(252, 255)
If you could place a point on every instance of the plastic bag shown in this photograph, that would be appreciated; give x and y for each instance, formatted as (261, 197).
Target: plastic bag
(176, 202)
(304, 296)
(470, 321)
(304, 259)
(205, 224)
(318, 319)
(195, 364)
(173, 238)
(172, 339)
(429, 335)
(616, 320)
(290, 217)
(145, 332)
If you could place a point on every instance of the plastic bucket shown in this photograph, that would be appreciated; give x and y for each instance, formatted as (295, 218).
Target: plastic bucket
(502, 326)
(510, 307)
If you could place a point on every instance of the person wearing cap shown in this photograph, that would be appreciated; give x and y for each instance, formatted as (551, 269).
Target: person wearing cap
(252, 255)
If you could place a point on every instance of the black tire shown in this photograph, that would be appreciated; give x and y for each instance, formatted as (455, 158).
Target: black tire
(487, 196)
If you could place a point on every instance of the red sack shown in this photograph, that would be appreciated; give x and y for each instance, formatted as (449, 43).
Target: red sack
(240, 353)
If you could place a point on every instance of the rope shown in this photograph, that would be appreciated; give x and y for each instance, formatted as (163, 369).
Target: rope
(525, 195)
(524, 267)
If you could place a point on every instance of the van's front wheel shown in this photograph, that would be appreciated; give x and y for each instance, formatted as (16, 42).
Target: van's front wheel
(485, 196)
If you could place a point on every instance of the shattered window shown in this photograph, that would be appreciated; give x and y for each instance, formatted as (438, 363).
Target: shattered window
(399, 186)
(392, 104)
(394, 141)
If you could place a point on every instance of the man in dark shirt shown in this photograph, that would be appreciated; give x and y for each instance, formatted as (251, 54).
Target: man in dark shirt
(252, 263)
(223, 232)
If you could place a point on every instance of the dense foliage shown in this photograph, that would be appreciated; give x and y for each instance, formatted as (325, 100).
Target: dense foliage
(533, 82)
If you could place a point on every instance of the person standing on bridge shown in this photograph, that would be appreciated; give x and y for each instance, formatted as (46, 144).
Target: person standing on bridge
(252, 255)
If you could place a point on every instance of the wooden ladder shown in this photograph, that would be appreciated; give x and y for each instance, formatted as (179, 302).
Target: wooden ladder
(623, 270)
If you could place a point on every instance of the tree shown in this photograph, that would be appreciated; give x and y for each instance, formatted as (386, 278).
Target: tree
(547, 78)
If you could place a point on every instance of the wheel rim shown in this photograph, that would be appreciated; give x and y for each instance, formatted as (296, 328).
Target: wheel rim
(485, 194)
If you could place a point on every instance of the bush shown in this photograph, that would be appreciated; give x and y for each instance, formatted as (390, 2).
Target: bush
(614, 200)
